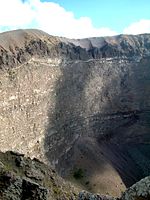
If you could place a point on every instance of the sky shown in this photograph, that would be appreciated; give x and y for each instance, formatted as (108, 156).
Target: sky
(77, 18)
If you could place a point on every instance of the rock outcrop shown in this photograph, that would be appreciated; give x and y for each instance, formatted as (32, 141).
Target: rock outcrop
(139, 191)
(89, 196)
(78, 104)
(23, 178)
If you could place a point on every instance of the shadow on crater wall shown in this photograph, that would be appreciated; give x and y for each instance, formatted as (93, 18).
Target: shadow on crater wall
(105, 101)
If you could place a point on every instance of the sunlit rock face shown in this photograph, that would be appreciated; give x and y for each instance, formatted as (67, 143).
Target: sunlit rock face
(78, 104)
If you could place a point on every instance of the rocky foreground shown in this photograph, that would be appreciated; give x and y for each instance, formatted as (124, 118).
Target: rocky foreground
(24, 179)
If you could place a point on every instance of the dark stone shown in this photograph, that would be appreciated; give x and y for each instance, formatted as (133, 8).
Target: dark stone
(16, 153)
(19, 162)
(31, 190)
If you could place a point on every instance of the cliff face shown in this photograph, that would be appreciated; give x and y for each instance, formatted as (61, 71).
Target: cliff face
(78, 104)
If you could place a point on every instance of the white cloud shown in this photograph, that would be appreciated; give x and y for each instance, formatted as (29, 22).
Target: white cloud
(55, 20)
(142, 26)
(49, 17)
(14, 13)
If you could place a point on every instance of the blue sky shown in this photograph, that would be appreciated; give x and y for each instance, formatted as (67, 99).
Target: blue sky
(77, 18)
(115, 14)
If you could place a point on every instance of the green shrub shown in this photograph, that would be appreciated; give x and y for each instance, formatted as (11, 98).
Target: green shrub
(78, 174)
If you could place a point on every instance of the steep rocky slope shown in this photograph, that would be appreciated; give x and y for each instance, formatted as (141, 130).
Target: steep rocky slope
(24, 179)
(78, 104)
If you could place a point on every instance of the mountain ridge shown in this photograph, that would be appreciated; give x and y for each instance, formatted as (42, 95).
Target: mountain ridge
(30, 42)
